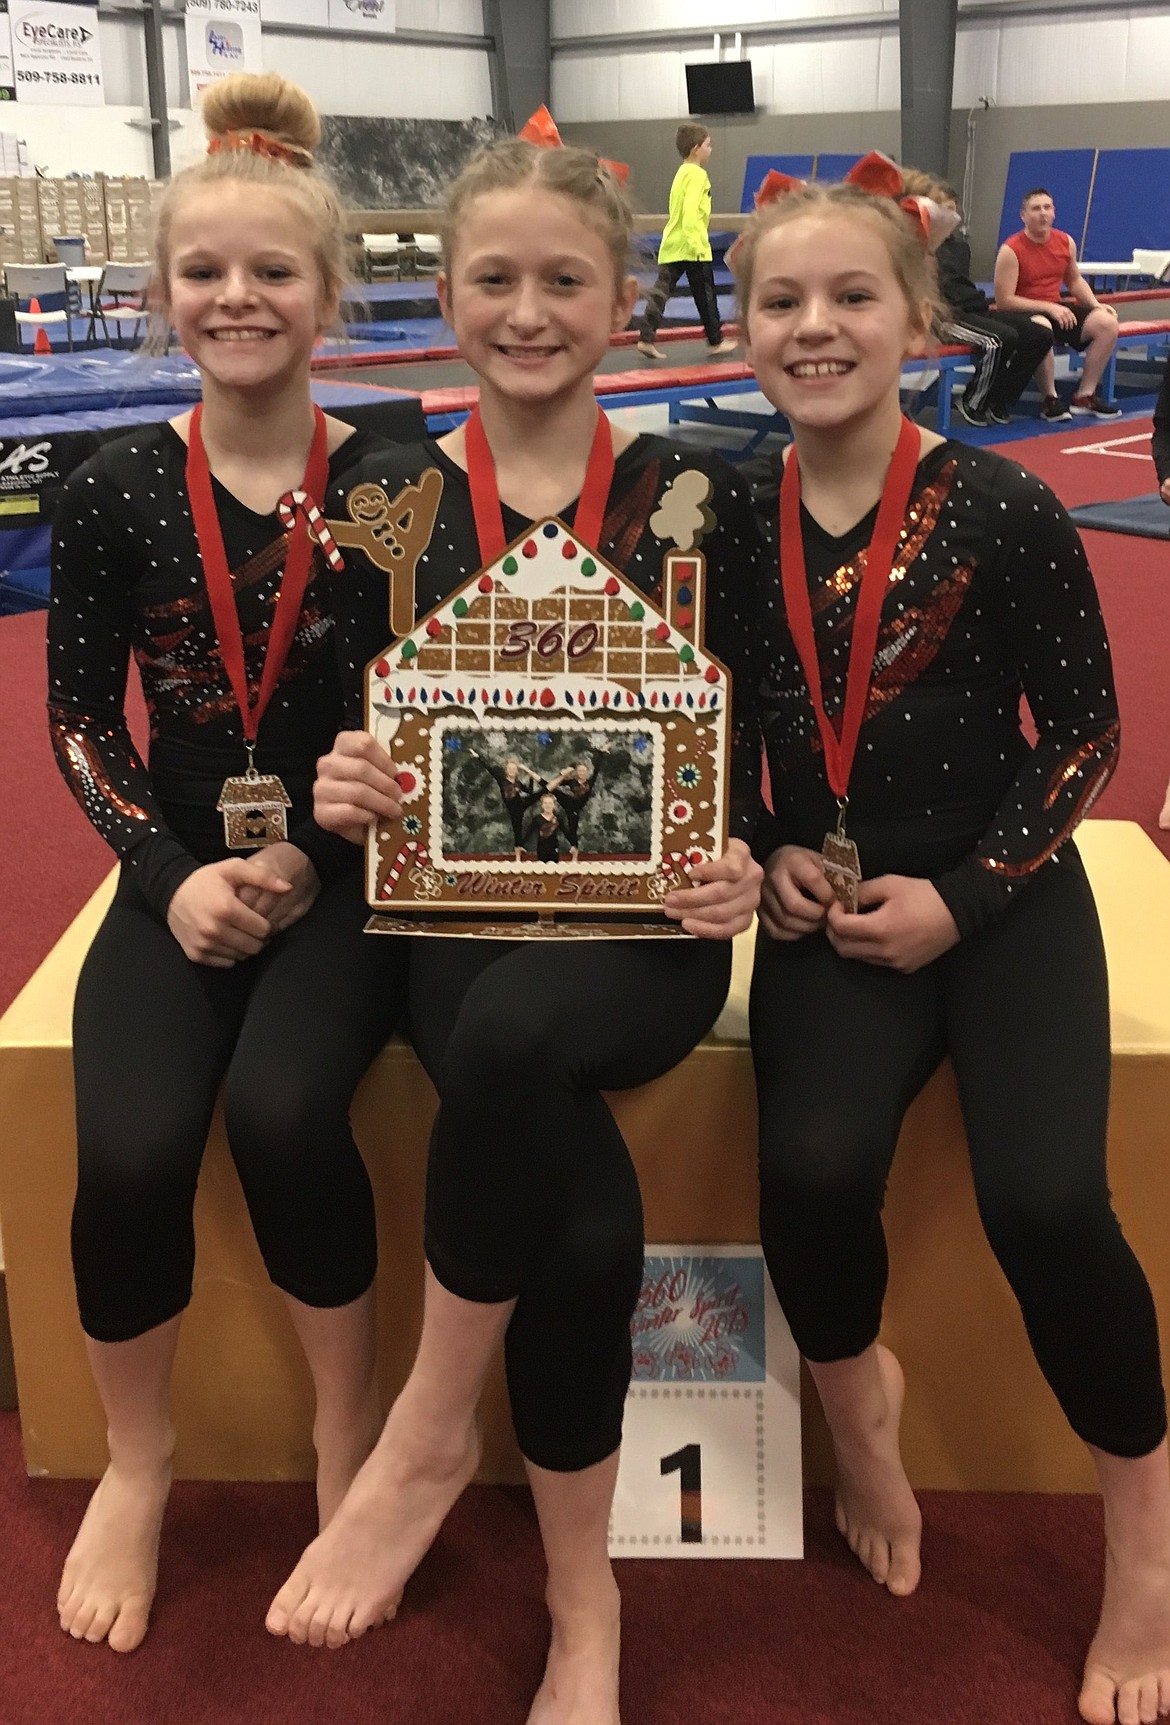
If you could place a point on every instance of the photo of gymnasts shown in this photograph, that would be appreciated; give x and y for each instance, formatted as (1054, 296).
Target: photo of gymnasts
(518, 793)
(546, 792)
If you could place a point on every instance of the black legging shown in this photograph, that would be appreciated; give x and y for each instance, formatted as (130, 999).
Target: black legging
(701, 281)
(293, 1029)
(531, 1193)
(1008, 348)
(842, 1047)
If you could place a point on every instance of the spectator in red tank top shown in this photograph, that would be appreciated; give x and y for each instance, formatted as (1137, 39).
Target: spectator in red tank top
(1031, 270)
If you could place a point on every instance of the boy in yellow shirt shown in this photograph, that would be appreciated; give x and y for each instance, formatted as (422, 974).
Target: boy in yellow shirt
(686, 245)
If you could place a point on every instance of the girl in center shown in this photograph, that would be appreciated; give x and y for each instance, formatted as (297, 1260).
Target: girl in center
(918, 588)
(534, 1223)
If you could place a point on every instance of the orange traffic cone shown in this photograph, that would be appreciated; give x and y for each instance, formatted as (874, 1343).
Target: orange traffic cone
(41, 342)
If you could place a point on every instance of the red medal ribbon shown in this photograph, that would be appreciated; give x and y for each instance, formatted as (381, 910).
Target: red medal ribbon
(218, 576)
(485, 494)
(839, 751)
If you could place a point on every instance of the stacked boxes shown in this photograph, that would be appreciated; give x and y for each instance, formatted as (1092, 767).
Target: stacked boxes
(130, 208)
(116, 216)
(20, 222)
(74, 207)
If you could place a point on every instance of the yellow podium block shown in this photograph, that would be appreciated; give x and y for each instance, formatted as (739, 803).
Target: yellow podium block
(978, 1413)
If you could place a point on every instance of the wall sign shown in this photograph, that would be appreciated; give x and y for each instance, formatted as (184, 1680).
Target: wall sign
(376, 16)
(56, 57)
(711, 1461)
(223, 36)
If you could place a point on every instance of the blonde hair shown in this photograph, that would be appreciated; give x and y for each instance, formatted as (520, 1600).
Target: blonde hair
(916, 183)
(572, 172)
(262, 131)
(901, 235)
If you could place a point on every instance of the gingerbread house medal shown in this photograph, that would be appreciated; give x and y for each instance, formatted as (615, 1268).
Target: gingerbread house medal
(252, 807)
(561, 742)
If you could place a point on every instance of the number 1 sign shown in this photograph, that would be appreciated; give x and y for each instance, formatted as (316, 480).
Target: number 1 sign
(711, 1463)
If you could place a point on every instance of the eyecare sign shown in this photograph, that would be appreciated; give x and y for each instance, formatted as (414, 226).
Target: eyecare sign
(56, 57)
(223, 36)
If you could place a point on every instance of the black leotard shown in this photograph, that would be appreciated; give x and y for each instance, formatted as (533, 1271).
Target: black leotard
(991, 599)
(541, 1204)
(154, 1033)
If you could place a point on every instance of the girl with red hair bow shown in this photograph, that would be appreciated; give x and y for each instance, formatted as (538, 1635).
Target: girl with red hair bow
(923, 588)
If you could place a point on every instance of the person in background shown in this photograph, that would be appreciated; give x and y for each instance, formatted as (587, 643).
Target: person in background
(1032, 270)
(686, 245)
(1009, 345)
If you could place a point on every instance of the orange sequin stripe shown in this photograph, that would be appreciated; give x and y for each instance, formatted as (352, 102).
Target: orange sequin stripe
(1017, 871)
(260, 144)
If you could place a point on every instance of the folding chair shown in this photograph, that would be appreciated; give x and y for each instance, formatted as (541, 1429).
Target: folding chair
(428, 253)
(380, 253)
(120, 299)
(26, 282)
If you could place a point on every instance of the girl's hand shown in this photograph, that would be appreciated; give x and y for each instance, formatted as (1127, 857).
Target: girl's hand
(1164, 491)
(723, 896)
(209, 919)
(796, 896)
(902, 922)
(356, 785)
(281, 910)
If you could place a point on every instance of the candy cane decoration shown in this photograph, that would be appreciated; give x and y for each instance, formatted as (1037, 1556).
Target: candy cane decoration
(400, 861)
(295, 503)
(677, 862)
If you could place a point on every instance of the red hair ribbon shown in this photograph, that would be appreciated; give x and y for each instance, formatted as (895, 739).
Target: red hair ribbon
(880, 177)
(260, 144)
(541, 129)
(776, 185)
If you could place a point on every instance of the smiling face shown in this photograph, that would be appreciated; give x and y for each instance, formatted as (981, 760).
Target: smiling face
(829, 323)
(244, 287)
(1039, 214)
(531, 294)
(582, 772)
(548, 807)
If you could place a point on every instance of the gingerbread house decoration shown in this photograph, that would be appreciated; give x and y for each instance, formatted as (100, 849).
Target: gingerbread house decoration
(561, 740)
(253, 808)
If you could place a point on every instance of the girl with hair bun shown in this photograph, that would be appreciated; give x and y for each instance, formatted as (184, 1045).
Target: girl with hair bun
(233, 949)
(534, 1222)
(920, 588)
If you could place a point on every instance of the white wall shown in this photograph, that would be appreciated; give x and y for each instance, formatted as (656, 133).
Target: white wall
(1025, 62)
(1028, 63)
(369, 76)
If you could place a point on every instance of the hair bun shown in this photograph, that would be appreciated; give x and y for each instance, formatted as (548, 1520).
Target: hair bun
(262, 102)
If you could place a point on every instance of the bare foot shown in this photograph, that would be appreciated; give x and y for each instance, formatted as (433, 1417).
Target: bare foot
(340, 1455)
(649, 349)
(107, 1585)
(352, 1575)
(1127, 1672)
(877, 1512)
(1164, 817)
(727, 346)
(580, 1684)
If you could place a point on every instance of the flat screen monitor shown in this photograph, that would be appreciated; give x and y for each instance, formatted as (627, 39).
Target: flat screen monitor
(720, 87)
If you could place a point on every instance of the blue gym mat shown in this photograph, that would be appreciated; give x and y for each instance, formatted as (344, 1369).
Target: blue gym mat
(1146, 517)
(55, 443)
(62, 383)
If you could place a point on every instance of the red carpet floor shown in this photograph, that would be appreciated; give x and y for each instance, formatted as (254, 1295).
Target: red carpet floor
(995, 1635)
